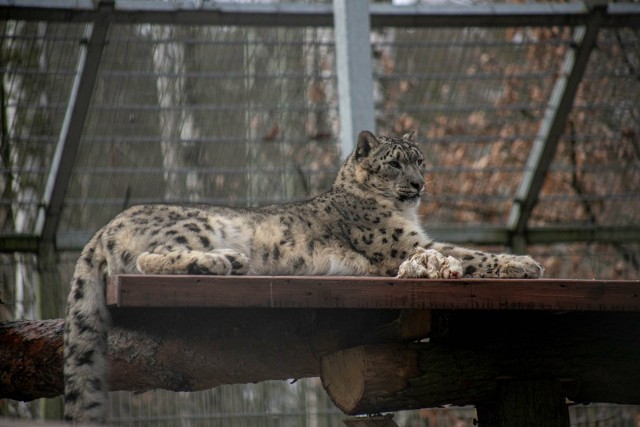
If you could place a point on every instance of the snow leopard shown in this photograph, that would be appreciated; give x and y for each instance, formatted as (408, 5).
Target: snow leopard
(366, 224)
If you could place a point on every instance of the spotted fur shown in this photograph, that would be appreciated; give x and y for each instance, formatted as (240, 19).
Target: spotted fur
(366, 224)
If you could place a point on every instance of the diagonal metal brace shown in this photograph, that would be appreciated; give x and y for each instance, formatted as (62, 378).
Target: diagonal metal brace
(552, 126)
(67, 148)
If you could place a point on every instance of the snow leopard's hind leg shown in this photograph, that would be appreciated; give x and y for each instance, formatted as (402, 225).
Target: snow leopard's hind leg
(215, 262)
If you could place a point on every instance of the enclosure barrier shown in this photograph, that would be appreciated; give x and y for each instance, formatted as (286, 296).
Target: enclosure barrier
(356, 110)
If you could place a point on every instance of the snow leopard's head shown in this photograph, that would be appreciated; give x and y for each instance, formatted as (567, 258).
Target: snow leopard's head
(389, 166)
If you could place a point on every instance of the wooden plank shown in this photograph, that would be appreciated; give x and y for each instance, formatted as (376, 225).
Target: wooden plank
(372, 293)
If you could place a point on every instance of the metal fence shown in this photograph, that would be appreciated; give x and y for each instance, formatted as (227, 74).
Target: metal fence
(528, 114)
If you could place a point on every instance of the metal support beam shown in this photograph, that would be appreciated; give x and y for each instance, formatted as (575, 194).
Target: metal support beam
(552, 127)
(320, 15)
(73, 124)
(27, 243)
(539, 235)
(485, 235)
(354, 69)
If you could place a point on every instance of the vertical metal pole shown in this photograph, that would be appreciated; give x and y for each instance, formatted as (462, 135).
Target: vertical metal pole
(354, 67)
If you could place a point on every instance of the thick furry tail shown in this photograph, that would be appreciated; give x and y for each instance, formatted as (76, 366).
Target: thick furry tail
(85, 340)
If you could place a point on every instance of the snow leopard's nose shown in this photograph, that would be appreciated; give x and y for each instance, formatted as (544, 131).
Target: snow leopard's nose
(417, 184)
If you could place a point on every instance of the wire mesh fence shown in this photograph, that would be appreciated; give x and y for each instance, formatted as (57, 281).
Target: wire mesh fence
(235, 123)
(480, 94)
(248, 115)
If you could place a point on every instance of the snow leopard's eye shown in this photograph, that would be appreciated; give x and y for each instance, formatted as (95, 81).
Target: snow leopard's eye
(394, 164)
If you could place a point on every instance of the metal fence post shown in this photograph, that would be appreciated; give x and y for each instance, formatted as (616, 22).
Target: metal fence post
(354, 68)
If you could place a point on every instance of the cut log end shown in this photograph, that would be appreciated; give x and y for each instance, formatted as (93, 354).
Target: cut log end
(343, 375)
(361, 379)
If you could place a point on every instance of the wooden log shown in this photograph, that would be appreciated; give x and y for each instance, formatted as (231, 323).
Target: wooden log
(196, 348)
(595, 358)
(383, 378)
(375, 421)
(31, 359)
(361, 379)
(411, 325)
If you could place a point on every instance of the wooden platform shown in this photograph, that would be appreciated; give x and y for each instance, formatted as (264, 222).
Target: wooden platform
(516, 349)
(372, 293)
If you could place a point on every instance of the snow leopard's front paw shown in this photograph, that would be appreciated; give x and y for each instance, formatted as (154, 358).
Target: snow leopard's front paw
(430, 264)
(519, 267)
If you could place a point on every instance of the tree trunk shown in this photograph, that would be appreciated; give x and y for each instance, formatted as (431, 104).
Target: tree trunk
(194, 349)
(178, 127)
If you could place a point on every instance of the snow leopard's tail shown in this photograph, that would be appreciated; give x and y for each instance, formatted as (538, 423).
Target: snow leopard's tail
(85, 339)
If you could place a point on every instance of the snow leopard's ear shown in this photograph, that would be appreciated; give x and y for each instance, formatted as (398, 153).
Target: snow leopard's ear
(410, 136)
(366, 142)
